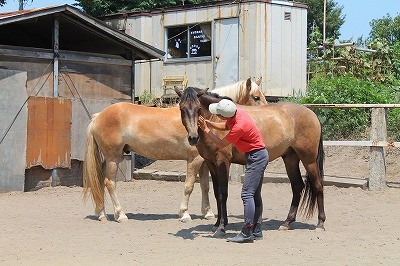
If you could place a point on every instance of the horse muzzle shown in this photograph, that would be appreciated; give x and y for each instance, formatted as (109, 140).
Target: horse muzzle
(193, 140)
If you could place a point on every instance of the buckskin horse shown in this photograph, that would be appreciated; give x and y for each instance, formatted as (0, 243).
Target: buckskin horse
(155, 133)
(289, 130)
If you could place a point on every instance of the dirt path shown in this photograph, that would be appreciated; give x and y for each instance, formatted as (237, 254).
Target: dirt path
(53, 226)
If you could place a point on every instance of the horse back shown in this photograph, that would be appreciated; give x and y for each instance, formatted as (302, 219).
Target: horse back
(286, 125)
(152, 132)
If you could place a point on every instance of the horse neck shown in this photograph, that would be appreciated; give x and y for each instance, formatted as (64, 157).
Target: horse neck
(205, 101)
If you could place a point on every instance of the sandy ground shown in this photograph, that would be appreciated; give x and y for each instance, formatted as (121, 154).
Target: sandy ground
(53, 226)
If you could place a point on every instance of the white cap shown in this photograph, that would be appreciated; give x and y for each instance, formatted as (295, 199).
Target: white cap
(225, 107)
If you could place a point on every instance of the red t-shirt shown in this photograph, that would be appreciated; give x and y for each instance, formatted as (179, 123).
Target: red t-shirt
(244, 133)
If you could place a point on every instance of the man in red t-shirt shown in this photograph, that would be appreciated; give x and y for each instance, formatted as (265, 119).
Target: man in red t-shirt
(244, 134)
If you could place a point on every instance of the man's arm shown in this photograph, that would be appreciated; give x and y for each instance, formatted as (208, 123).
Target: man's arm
(217, 125)
(203, 124)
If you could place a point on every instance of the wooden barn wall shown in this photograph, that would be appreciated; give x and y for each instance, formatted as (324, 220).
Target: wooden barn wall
(55, 134)
(76, 79)
(49, 133)
(94, 81)
(39, 74)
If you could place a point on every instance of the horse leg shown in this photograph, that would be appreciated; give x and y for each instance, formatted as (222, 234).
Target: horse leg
(101, 213)
(222, 196)
(100, 210)
(317, 187)
(110, 182)
(291, 161)
(205, 189)
(215, 181)
(192, 168)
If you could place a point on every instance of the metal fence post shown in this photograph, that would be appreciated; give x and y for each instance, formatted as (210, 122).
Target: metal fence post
(377, 166)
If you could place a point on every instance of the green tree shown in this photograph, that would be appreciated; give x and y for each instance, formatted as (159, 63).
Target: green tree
(2, 2)
(386, 28)
(315, 18)
(103, 7)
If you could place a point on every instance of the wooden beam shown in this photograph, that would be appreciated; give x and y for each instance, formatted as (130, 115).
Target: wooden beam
(47, 54)
(56, 45)
(361, 143)
(345, 105)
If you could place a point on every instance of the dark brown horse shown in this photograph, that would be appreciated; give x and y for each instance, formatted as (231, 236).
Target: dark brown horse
(289, 130)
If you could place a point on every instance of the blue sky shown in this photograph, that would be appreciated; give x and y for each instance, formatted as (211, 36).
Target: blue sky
(358, 13)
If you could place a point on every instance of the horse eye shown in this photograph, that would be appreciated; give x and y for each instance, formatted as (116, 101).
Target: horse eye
(256, 98)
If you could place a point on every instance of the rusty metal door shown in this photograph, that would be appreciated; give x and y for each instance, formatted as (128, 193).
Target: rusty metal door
(226, 51)
(49, 133)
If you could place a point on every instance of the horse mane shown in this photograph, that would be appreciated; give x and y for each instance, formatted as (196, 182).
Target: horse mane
(216, 95)
(191, 93)
(234, 91)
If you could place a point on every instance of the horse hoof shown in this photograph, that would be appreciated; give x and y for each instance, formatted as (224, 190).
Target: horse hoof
(103, 218)
(284, 228)
(185, 218)
(320, 228)
(220, 233)
(210, 215)
(122, 218)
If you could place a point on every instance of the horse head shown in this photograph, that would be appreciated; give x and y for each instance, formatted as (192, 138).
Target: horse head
(257, 94)
(253, 94)
(190, 108)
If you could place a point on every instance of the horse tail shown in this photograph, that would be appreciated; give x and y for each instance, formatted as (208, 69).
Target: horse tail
(93, 177)
(310, 190)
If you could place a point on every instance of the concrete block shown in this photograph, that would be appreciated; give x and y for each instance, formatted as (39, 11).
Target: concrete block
(142, 174)
(167, 176)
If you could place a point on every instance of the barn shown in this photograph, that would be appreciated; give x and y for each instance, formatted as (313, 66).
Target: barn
(58, 66)
(214, 44)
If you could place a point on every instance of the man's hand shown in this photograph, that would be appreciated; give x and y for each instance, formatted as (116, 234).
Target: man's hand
(203, 124)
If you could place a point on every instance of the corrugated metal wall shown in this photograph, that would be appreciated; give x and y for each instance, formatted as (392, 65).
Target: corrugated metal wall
(269, 46)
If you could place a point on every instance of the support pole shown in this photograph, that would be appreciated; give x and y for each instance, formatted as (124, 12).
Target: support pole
(54, 173)
(377, 166)
(133, 93)
(56, 56)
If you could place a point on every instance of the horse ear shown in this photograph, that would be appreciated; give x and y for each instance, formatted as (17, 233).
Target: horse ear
(258, 81)
(248, 84)
(178, 91)
(200, 93)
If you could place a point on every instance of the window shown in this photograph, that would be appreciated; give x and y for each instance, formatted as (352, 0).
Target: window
(191, 41)
(287, 16)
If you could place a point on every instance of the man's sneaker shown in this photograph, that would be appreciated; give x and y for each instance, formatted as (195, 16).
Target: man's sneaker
(244, 236)
(257, 232)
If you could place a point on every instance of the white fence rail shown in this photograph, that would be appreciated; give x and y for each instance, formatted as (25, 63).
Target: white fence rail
(377, 143)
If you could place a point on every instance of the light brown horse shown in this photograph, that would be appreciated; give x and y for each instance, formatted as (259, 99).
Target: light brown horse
(155, 133)
(289, 130)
